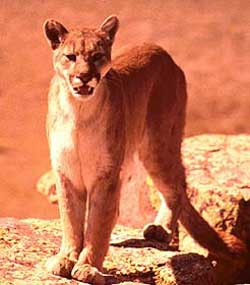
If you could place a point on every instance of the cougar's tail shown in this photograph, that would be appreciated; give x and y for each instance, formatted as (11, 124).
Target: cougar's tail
(219, 244)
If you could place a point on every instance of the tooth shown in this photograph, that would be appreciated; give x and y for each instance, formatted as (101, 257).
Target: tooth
(93, 82)
(90, 90)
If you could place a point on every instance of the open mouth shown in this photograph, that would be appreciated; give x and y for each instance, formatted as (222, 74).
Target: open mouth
(86, 89)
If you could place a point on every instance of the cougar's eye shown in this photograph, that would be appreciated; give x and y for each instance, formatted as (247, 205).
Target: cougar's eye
(97, 56)
(71, 57)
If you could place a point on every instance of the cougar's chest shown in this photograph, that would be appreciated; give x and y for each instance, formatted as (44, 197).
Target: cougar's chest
(62, 132)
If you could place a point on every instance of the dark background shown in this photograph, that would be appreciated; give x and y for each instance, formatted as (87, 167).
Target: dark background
(210, 40)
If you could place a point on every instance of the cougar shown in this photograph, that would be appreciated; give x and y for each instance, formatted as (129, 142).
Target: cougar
(101, 113)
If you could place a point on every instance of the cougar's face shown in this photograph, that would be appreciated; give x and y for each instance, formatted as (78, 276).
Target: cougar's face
(82, 58)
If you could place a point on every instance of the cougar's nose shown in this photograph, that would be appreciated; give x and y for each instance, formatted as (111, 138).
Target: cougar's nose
(76, 82)
(84, 77)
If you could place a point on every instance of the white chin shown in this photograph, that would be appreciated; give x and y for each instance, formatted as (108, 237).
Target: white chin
(82, 97)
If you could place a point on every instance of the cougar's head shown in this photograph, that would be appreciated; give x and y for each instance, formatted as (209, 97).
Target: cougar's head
(81, 57)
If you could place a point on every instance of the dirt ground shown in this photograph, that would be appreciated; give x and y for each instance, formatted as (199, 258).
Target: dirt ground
(210, 40)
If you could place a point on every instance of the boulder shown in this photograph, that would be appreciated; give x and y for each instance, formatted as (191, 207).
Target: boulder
(46, 186)
(218, 176)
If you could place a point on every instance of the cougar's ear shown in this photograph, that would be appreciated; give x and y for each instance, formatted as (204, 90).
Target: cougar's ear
(110, 27)
(55, 33)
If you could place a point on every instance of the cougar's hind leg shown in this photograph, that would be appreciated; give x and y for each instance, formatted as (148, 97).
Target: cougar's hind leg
(164, 224)
(72, 204)
(160, 151)
(169, 178)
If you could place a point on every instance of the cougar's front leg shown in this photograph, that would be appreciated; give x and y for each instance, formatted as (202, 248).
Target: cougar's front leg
(103, 209)
(72, 204)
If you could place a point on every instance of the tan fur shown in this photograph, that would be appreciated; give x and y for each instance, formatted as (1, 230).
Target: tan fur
(137, 106)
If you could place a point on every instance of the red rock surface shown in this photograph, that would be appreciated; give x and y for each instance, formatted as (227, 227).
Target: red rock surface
(218, 177)
(25, 245)
(218, 184)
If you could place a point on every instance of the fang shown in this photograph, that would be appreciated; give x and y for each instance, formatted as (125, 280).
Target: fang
(90, 90)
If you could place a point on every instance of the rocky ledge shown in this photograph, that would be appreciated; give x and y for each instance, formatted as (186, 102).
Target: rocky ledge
(218, 176)
(26, 244)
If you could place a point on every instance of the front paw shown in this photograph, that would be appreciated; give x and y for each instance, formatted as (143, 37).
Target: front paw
(88, 274)
(60, 265)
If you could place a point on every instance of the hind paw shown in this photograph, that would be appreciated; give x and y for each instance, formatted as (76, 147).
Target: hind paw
(156, 232)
